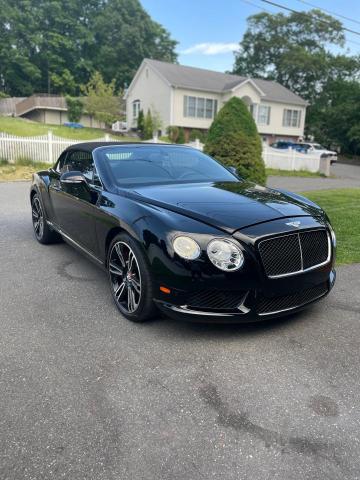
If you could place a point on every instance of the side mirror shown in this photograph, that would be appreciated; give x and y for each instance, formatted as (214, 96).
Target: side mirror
(74, 177)
(232, 170)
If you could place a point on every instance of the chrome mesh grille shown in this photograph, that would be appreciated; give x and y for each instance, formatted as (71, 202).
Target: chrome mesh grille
(266, 305)
(294, 252)
(215, 299)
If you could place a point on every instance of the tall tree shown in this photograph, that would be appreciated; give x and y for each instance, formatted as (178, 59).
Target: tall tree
(335, 118)
(55, 45)
(125, 34)
(294, 50)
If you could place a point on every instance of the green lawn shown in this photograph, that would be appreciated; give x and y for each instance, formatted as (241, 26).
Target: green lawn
(25, 128)
(343, 209)
(292, 173)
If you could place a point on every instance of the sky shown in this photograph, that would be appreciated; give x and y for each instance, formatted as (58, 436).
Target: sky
(208, 31)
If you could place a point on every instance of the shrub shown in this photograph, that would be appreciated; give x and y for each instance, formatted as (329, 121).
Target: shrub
(148, 126)
(233, 140)
(181, 136)
(141, 123)
(173, 133)
(200, 134)
(75, 108)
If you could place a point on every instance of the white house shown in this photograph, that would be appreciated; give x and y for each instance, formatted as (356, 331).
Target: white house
(190, 97)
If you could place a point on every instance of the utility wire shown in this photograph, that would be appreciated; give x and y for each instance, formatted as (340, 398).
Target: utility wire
(329, 11)
(306, 14)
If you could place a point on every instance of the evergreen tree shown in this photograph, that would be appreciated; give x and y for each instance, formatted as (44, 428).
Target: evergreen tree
(233, 140)
(141, 123)
(148, 126)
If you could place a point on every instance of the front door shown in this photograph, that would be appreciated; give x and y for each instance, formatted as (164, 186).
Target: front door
(74, 205)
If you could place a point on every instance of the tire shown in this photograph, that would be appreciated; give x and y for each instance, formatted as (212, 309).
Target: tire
(43, 233)
(132, 288)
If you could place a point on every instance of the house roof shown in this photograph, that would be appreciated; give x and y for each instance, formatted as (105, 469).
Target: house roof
(182, 76)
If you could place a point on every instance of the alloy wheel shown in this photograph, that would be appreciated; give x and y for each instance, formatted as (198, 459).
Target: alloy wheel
(125, 277)
(38, 218)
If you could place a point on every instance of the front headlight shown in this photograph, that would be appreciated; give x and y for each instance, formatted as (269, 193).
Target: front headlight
(186, 248)
(225, 255)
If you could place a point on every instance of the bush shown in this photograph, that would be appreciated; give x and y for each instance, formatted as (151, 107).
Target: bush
(233, 140)
(75, 108)
(173, 133)
(181, 136)
(141, 123)
(148, 126)
(200, 134)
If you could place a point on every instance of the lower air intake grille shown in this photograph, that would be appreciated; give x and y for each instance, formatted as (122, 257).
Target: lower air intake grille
(215, 299)
(266, 305)
(294, 252)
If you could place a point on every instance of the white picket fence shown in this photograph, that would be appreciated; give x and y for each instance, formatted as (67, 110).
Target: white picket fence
(283, 159)
(42, 148)
(290, 159)
(47, 148)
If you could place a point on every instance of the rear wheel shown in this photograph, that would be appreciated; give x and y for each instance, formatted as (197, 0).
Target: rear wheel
(130, 279)
(42, 231)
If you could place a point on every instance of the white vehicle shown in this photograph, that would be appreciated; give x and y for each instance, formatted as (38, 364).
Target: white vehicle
(317, 148)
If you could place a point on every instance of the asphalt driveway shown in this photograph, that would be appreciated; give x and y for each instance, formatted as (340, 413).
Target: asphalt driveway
(85, 394)
(344, 176)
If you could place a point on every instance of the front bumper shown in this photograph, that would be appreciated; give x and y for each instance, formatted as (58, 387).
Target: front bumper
(283, 298)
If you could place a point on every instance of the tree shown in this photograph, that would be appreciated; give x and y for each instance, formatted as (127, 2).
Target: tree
(55, 45)
(101, 100)
(233, 140)
(75, 108)
(335, 118)
(124, 35)
(148, 126)
(141, 123)
(294, 50)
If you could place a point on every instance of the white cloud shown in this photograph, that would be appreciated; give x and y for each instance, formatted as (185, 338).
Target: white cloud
(211, 48)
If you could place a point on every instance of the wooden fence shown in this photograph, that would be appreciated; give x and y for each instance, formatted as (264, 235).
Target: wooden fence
(42, 148)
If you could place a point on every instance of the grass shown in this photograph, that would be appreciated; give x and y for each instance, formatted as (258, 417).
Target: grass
(25, 128)
(342, 207)
(292, 173)
(21, 170)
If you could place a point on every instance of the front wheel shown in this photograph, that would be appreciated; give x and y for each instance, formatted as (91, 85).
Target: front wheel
(130, 279)
(42, 231)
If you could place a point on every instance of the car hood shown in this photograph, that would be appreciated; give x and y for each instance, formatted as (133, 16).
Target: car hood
(228, 206)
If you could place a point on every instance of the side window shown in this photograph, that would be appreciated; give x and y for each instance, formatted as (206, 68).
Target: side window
(59, 167)
(82, 162)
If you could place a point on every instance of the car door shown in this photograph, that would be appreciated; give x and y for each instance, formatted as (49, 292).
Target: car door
(74, 205)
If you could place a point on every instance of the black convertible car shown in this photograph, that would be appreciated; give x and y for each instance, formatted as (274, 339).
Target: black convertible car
(177, 230)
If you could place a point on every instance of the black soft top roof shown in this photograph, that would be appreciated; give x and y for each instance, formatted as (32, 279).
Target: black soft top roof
(90, 146)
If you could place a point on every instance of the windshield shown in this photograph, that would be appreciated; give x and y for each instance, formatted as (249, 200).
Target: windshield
(317, 146)
(147, 164)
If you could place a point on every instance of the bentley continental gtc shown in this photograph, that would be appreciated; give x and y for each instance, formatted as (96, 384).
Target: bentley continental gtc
(177, 231)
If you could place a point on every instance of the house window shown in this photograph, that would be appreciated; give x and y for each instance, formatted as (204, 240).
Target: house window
(253, 110)
(136, 108)
(291, 118)
(199, 107)
(263, 116)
